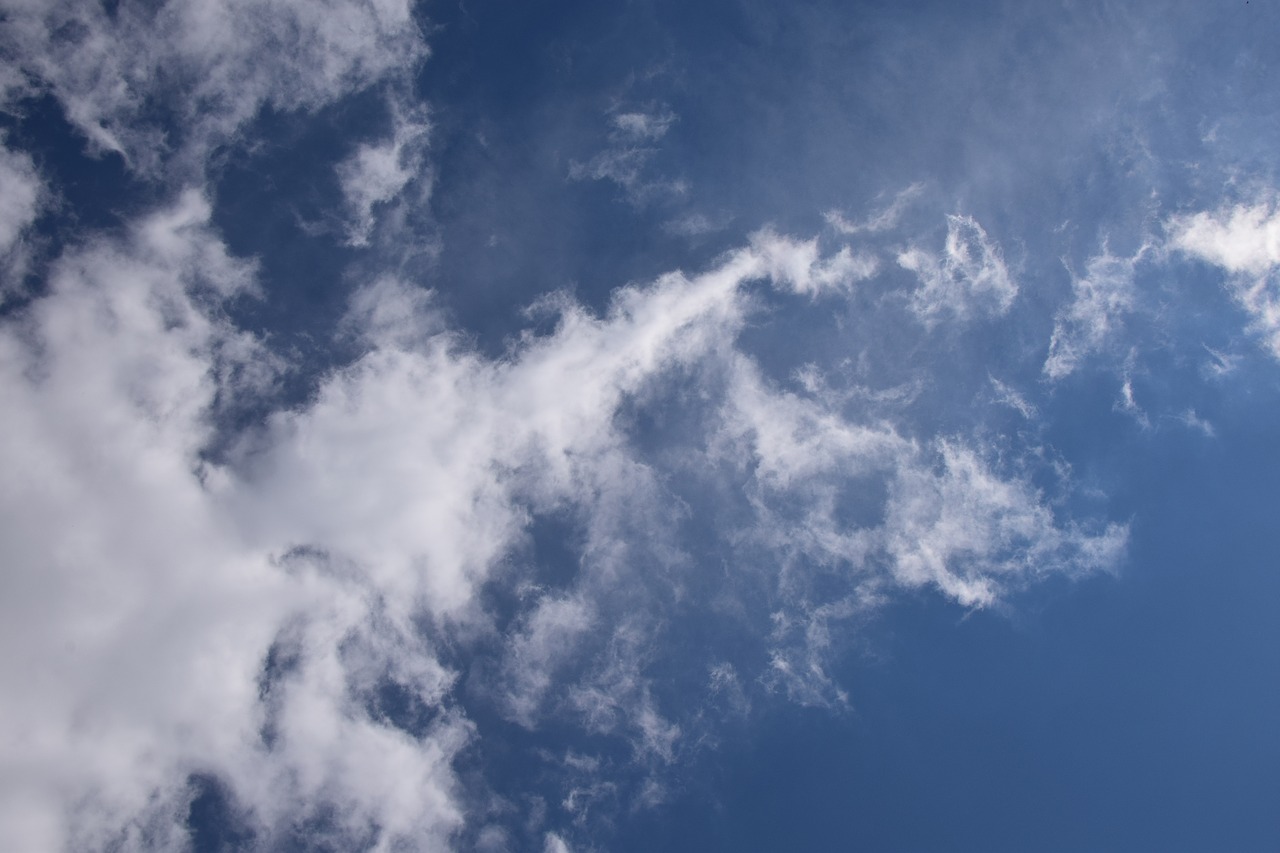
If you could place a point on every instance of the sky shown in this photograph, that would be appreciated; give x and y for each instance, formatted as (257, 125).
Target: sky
(563, 426)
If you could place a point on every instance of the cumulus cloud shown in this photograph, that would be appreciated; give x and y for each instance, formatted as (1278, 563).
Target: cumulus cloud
(1243, 240)
(966, 281)
(166, 83)
(140, 620)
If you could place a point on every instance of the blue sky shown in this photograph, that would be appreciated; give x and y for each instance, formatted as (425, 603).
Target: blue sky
(566, 427)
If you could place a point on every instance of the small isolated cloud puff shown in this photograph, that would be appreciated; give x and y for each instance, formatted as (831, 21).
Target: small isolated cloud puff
(1100, 301)
(1243, 240)
(968, 280)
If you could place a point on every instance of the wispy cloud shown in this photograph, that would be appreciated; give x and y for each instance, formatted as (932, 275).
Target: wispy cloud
(1101, 299)
(625, 160)
(22, 195)
(883, 220)
(376, 175)
(966, 281)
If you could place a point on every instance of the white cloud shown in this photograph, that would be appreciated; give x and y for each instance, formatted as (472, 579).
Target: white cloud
(968, 280)
(1243, 240)
(555, 844)
(1100, 301)
(137, 615)
(23, 196)
(551, 631)
(859, 508)
(1220, 364)
(21, 193)
(639, 126)
(1013, 399)
(625, 159)
(695, 224)
(210, 65)
(1128, 404)
(376, 175)
(148, 587)
(970, 532)
(1195, 422)
(885, 220)
(798, 266)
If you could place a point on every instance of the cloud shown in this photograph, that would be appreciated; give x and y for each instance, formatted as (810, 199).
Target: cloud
(170, 617)
(640, 126)
(1014, 400)
(553, 627)
(625, 160)
(376, 175)
(797, 266)
(555, 844)
(1127, 404)
(885, 220)
(1100, 301)
(848, 511)
(162, 85)
(140, 620)
(1243, 240)
(971, 532)
(22, 195)
(967, 281)
(695, 225)
(1195, 422)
